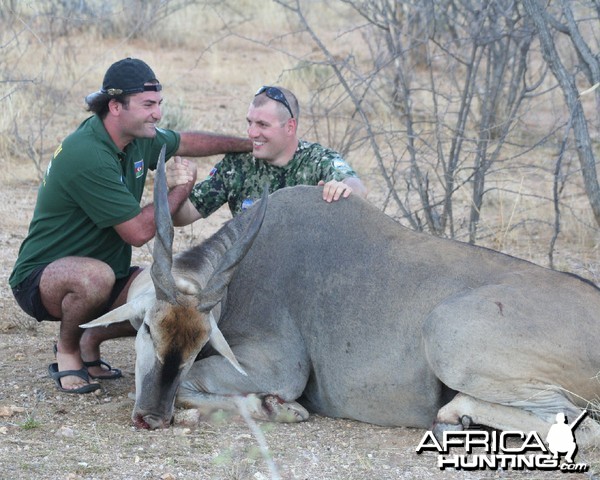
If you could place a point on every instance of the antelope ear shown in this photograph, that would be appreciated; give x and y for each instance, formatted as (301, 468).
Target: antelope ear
(217, 340)
(133, 311)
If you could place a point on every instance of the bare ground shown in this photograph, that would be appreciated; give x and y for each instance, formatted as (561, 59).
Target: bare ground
(45, 434)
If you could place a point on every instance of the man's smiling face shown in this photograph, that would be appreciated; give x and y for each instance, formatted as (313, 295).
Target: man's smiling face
(272, 135)
(139, 117)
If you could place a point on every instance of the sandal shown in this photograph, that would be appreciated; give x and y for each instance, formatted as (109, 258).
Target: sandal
(56, 376)
(112, 373)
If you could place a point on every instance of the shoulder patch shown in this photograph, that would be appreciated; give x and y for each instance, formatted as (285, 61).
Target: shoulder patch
(138, 168)
(247, 203)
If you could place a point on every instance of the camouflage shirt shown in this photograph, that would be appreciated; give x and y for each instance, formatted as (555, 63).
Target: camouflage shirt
(238, 179)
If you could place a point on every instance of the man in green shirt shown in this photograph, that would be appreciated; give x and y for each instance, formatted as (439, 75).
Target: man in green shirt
(278, 158)
(75, 263)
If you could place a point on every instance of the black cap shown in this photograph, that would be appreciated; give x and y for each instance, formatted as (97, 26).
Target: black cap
(126, 77)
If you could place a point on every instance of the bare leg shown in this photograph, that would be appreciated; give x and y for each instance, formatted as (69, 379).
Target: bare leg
(93, 337)
(76, 289)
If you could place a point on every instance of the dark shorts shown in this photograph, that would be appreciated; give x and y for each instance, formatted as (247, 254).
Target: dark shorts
(27, 294)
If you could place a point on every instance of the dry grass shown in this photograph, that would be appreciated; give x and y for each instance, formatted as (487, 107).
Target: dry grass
(210, 60)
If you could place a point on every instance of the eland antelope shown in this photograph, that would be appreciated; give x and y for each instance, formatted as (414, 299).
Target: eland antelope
(299, 305)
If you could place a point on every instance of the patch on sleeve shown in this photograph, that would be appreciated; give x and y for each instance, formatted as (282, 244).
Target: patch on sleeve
(212, 172)
(138, 168)
(337, 163)
(247, 203)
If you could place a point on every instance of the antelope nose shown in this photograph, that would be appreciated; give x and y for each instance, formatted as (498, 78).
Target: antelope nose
(154, 422)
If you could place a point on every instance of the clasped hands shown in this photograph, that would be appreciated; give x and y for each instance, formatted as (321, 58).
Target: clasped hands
(180, 171)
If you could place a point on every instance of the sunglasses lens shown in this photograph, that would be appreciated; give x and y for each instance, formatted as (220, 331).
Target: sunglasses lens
(275, 94)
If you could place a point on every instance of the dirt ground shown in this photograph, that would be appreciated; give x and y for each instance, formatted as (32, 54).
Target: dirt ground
(45, 434)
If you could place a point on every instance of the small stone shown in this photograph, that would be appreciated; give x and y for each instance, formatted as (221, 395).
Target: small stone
(187, 418)
(9, 411)
(65, 432)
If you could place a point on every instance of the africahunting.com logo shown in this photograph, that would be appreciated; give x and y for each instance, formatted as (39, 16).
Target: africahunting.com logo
(508, 450)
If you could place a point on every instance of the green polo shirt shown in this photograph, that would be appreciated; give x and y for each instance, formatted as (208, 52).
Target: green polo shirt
(89, 187)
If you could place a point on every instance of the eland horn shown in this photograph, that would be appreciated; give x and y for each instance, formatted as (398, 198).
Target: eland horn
(221, 277)
(164, 283)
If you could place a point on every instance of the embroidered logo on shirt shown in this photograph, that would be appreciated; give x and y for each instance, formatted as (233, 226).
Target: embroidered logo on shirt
(138, 168)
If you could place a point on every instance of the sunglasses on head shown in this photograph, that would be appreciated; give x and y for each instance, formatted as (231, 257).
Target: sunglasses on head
(275, 94)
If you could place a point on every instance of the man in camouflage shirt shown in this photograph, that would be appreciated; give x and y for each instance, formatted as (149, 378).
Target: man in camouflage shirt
(278, 158)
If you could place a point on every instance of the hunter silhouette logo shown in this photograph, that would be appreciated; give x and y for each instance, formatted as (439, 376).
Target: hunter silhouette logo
(508, 450)
(560, 437)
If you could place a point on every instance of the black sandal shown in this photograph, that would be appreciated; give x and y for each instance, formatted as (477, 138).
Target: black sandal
(83, 374)
(112, 373)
